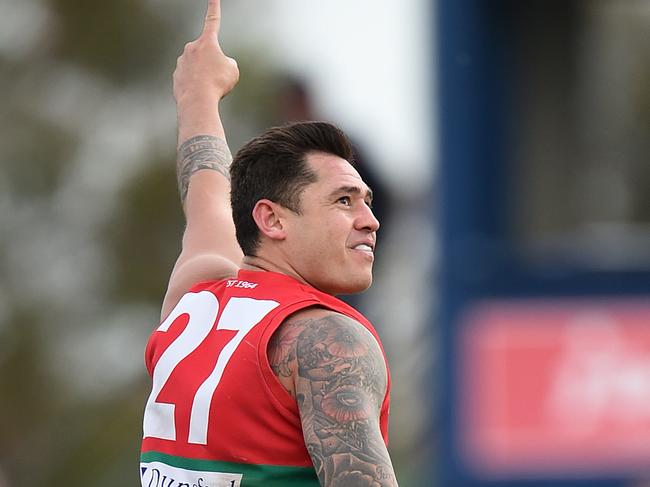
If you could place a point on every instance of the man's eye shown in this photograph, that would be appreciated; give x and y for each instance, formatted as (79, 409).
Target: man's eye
(345, 200)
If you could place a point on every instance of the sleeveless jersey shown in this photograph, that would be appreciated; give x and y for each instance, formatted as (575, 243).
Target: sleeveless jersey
(217, 415)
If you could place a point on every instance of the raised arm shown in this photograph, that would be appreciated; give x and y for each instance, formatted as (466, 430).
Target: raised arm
(336, 370)
(203, 76)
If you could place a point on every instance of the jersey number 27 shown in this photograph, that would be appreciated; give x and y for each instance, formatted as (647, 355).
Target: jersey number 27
(240, 315)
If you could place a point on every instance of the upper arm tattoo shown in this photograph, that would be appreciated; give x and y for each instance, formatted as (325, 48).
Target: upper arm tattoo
(201, 152)
(340, 387)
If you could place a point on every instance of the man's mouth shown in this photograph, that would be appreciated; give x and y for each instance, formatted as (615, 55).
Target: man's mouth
(363, 247)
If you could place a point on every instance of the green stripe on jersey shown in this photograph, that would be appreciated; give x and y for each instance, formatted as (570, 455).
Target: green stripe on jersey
(253, 475)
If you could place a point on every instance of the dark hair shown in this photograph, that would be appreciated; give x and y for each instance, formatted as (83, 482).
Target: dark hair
(274, 166)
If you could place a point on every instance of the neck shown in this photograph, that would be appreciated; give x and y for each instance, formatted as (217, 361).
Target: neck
(257, 263)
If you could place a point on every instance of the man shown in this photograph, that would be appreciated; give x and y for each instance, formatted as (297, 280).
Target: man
(260, 376)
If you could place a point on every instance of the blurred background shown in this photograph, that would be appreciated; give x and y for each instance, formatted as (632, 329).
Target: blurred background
(508, 143)
(90, 220)
(544, 231)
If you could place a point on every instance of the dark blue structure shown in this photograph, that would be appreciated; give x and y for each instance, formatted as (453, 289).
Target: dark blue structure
(477, 41)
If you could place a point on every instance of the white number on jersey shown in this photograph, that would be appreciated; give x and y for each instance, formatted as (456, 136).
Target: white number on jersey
(240, 315)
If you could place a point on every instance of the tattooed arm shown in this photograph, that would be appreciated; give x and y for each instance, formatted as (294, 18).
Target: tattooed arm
(336, 370)
(203, 76)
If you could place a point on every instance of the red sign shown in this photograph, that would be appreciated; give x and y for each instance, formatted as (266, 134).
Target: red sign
(556, 387)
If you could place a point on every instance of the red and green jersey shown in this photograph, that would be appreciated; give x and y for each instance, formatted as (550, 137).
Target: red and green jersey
(217, 415)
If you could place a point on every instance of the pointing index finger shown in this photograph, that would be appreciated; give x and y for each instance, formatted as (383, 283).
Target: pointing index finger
(212, 17)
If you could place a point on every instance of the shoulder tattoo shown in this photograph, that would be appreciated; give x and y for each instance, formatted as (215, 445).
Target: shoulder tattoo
(201, 152)
(340, 387)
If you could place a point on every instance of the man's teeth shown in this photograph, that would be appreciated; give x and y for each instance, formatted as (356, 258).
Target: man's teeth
(365, 247)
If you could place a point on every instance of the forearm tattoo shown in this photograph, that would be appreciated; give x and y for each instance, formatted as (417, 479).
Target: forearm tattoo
(201, 152)
(340, 387)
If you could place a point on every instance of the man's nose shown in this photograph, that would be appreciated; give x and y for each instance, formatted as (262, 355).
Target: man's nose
(367, 220)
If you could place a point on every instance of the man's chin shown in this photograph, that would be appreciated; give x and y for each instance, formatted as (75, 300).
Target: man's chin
(343, 284)
(354, 288)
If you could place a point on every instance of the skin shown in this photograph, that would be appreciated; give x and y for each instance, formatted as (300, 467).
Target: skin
(330, 363)
(335, 218)
(334, 368)
(204, 74)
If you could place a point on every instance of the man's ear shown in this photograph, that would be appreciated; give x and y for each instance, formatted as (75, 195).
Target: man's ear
(269, 217)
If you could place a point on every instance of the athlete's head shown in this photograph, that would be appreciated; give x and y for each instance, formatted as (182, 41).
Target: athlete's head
(294, 189)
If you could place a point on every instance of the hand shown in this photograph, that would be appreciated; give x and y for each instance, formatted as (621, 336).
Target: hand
(203, 72)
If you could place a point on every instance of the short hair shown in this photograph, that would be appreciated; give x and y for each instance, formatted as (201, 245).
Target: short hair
(274, 166)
